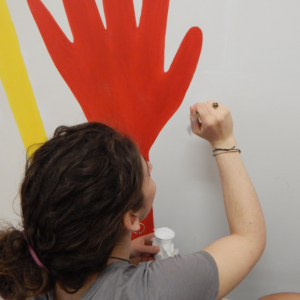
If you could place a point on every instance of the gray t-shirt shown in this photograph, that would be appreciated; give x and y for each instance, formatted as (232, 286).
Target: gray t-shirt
(186, 277)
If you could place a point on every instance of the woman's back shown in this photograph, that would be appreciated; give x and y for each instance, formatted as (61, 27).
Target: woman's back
(181, 277)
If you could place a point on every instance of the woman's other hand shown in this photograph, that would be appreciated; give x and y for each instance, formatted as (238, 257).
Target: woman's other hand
(212, 124)
(142, 249)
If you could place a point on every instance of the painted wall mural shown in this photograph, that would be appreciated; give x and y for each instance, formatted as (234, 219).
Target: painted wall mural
(115, 73)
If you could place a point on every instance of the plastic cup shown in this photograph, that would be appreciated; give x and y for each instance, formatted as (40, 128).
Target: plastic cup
(164, 237)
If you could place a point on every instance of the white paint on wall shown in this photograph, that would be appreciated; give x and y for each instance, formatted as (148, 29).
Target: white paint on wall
(56, 8)
(101, 11)
(138, 4)
(12, 162)
(250, 61)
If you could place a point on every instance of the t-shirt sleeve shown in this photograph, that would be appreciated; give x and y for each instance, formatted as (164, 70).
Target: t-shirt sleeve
(188, 277)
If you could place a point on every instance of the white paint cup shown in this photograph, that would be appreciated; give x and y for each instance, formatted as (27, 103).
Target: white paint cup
(164, 236)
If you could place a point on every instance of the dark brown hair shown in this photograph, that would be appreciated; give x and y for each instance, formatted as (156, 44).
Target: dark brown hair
(76, 190)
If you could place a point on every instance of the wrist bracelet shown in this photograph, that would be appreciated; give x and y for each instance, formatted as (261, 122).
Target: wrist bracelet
(230, 150)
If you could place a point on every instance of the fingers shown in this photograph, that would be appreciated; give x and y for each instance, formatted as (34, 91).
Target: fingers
(147, 238)
(149, 258)
(183, 67)
(206, 110)
(146, 249)
(55, 40)
(216, 123)
(152, 32)
(199, 115)
(194, 118)
(153, 24)
(120, 16)
(154, 17)
(47, 25)
(188, 53)
(143, 245)
(84, 19)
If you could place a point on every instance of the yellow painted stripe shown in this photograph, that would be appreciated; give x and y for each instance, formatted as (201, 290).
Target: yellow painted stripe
(16, 83)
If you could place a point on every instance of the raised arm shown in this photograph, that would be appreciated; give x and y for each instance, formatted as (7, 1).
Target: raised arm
(237, 253)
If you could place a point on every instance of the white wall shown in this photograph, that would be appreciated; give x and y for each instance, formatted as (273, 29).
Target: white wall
(250, 61)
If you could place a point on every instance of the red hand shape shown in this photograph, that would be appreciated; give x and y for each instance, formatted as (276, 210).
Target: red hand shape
(117, 74)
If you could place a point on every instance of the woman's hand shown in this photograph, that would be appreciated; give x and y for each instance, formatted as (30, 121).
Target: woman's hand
(216, 124)
(142, 249)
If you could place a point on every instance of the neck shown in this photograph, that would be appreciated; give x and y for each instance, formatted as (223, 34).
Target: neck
(121, 250)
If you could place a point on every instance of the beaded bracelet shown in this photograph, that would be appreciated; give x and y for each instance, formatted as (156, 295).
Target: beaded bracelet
(231, 150)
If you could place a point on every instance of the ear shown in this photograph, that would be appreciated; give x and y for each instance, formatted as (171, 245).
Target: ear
(131, 221)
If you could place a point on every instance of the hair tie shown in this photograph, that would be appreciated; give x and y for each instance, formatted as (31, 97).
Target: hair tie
(34, 256)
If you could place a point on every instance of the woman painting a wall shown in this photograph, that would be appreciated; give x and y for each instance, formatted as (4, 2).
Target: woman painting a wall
(249, 61)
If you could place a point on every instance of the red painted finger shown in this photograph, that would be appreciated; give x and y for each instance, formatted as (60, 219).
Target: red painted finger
(84, 19)
(152, 31)
(154, 16)
(176, 81)
(120, 16)
(184, 64)
(55, 40)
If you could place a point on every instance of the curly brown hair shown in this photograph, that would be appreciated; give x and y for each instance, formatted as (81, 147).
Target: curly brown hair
(76, 189)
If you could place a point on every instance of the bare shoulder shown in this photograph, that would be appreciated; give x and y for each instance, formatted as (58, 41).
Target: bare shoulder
(282, 296)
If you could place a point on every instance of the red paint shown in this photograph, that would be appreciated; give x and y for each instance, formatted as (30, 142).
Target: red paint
(117, 74)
